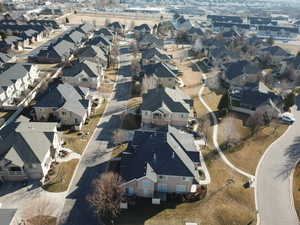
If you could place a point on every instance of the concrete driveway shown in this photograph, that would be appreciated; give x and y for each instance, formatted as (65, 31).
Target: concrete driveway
(274, 197)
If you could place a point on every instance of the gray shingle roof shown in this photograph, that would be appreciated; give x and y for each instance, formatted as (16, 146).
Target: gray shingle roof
(84, 68)
(174, 100)
(276, 51)
(239, 68)
(7, 215)
(64, 96)
(155, 52)
(154, 153)
(161, 70)
(23, 141)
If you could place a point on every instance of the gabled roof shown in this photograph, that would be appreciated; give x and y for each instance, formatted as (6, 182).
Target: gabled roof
(161, 70)
(238, 68)
(4, 58)
(14, 71)
(172, 100)
(149, 53)
(144, 26)
(276, 51)
(91, 51)
(82, 69)
(22, 141)
(154, 153)
(7, 215)
(99, 41)
(196, 30)
(74, 36)
(61, 49)
(104, 31)
(64, 96)
(149, 39)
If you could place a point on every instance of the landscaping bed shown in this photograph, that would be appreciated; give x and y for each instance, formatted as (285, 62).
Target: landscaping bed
(296, 189)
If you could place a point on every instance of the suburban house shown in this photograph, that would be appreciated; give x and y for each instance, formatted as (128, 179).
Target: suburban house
(182, 24)
(194, 33)
(94, 54)
(254, 20)
(276, 53)
(239, 72)
(225, 19)
(15, 79)
(4, 58)
(83, 73)
(117, 27)
(101, 42)
(63, 103)
(150, 41)
(166, 106)
(248, 101)
(157, 163)
(75, 37)
(55, 53)
(154, 55)
(164, 74)
(142, 29)
(223, 27)
(27, 149)
(277, 32)
(7, 216)
(104, 32)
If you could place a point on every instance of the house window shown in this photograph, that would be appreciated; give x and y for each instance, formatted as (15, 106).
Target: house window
(63, 113)
(180, 188)
(185, 178)
(162, 187)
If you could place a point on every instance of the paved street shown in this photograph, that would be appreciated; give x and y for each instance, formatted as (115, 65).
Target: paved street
(95, 158)
(273, 191)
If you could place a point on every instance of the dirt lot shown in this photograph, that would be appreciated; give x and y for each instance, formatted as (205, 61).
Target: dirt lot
(100, 19)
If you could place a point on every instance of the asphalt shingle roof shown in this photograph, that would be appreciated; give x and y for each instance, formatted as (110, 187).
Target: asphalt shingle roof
(174, 100)
(154, 153)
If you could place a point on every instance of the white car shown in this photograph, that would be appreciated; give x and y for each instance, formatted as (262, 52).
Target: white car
(287, 118)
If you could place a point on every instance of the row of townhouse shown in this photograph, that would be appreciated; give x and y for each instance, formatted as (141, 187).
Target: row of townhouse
(27, 149)
(22, 35)
(162, 157)
(15, 80)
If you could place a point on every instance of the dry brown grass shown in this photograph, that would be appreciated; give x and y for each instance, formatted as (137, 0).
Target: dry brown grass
(223, 205)
(47, 220)
(77, 141)
(64, 174)
(100, 19)
(296, 189)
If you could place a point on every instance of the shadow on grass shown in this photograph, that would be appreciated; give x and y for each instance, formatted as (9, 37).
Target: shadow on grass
(292, 156)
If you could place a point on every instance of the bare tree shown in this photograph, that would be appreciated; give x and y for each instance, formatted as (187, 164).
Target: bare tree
(135, 66)
(229, 132)
(134, 48)
(114, 54)
(262, 117)
(149, 82)
(106, 196)
(120, 135)
(39, 212)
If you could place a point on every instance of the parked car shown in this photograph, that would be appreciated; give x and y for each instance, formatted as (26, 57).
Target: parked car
(287, 118)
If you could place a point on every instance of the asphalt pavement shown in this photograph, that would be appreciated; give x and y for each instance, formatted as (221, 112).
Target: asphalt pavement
(274, 196)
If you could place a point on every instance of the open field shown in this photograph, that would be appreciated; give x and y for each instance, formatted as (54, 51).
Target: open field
(99, 19)
(296, 189)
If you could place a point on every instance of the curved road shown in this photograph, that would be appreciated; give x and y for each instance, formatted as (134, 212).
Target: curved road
(273, 191)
